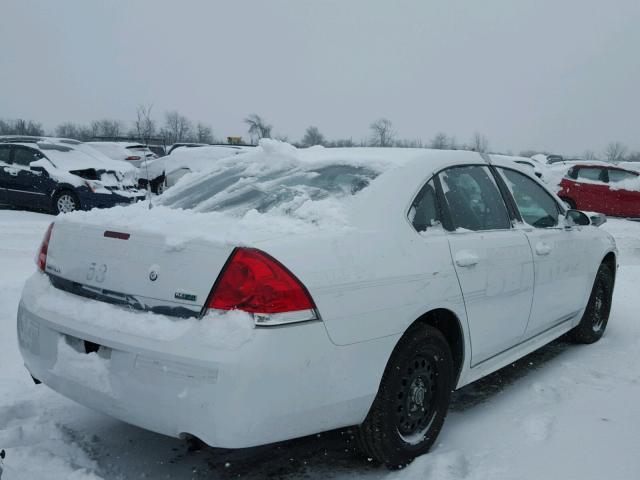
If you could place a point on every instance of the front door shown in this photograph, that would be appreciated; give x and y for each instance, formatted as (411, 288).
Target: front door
(559, 252)
(493, 261)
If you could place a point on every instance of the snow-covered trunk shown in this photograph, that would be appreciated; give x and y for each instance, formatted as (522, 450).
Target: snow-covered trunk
(135, 268)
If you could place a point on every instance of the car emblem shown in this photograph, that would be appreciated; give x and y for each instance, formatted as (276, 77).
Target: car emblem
(153, 275)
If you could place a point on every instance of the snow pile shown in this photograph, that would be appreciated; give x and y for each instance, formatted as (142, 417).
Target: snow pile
(629, 184)
(88, 369)
(274, 190)
(224, 331)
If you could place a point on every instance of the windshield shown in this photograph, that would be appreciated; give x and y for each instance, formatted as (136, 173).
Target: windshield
(237, 189)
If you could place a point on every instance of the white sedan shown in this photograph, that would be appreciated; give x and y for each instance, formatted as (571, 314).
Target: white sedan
(287, 292)
(166, 171)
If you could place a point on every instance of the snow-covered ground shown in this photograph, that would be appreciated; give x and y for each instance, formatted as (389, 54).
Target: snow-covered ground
(564, 412)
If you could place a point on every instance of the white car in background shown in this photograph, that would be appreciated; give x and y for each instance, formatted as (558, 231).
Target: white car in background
(166, 171)
(133, 153)
(287, 292)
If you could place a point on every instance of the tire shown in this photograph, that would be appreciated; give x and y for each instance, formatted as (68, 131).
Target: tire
(161, 187)
(412, 401)
(569, 202)
(596, 315)
(65, 201)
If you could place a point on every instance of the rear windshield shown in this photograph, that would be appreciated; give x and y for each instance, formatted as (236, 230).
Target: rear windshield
(236, 189)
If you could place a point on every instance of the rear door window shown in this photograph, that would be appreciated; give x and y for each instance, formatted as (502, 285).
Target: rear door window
(473, 198)
(424, 212)
(5, 151)
(593, 174)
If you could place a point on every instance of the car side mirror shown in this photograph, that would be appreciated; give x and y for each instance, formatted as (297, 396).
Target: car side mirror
(576, 217)
(39, 169)
(597, 219)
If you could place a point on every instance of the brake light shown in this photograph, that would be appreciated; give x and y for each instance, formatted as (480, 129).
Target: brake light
(133, 157)
(256, 283)
(41, 259)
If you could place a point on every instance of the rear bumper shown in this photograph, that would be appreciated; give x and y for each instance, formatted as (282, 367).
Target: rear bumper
(281, 383)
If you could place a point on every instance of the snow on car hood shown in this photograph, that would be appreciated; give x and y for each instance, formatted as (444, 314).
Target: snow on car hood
(84, 158)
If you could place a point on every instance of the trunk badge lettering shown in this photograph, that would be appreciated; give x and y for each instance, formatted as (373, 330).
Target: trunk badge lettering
(186, 296)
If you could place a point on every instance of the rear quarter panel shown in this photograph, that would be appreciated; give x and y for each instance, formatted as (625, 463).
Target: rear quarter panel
(375, 283)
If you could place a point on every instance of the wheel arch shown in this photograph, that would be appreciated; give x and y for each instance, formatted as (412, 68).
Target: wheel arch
(447, 323)
(65, 187)
(61, 187)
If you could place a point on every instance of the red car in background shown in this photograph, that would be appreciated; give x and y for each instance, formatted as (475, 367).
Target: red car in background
(604, 188)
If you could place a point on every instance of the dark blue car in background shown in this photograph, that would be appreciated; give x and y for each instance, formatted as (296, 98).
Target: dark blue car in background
(62, 175)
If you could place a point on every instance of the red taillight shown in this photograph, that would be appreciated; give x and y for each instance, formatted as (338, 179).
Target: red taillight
(133, 157)
(255, 282)
(41, 260)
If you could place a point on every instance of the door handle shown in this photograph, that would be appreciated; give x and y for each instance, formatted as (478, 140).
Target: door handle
(466, 259)
(13, 173)
(543, 248)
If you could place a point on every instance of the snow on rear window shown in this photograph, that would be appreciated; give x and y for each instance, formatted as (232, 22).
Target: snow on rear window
(238, 187)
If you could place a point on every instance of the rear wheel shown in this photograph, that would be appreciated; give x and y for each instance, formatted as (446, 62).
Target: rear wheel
(412, 402)
(596, 315)
(65, 202)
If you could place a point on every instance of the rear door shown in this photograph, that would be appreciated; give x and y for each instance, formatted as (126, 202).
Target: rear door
(5, 159)
(560, 253)
(593, 193)
(25, 187)
(493, 261)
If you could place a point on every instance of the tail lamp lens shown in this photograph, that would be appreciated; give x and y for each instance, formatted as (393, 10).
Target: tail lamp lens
(255, 282)
(41, 259)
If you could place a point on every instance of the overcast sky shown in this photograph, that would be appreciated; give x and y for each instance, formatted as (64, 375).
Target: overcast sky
(557, 75)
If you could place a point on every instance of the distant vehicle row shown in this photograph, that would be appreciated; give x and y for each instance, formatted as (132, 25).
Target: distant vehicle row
(62, 175)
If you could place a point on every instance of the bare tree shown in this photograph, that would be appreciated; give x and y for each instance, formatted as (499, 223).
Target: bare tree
(177, 128)
(633, 157)
(204, 133)
(258, 127)
(342, 142)
(382, 133)
(106, 128)
(440, 141)
(479, 143)
(408, 143)
(589, 155)
(312, 136)
(21, 127)
(615, 152)
(69, 130)
(145, 126)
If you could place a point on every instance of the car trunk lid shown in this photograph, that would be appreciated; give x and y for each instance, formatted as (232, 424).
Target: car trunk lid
(135, 268)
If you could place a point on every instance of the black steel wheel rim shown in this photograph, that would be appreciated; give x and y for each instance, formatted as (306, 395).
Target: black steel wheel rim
(599, 307)
(415, 398)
